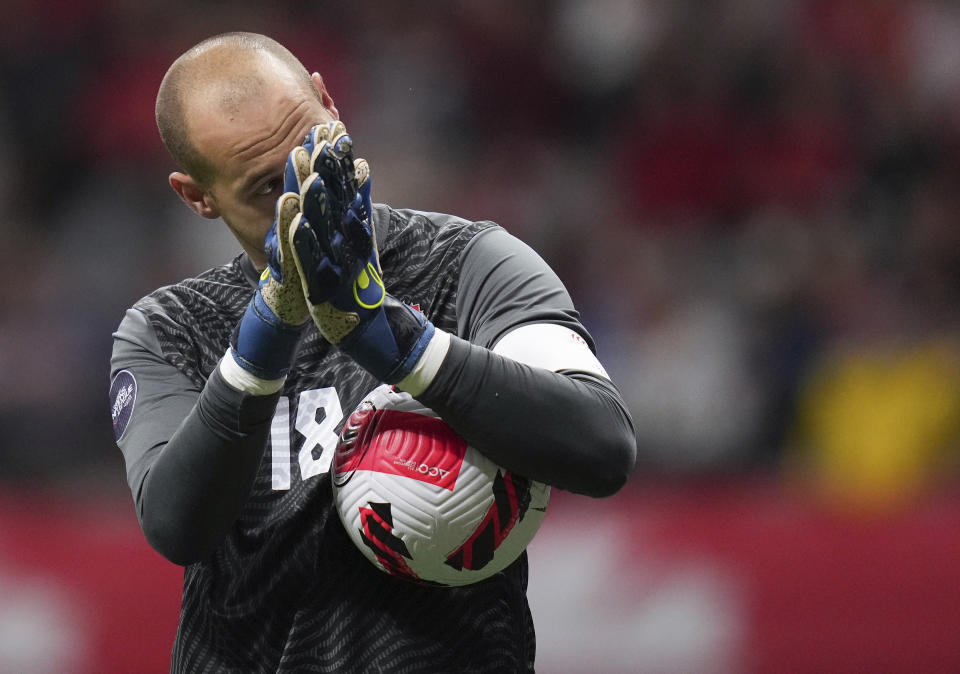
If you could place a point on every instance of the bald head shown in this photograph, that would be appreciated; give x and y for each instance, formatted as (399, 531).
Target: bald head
(221, 72)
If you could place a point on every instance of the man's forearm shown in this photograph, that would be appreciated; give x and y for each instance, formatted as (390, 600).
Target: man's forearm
(569, 430)
(196, 487)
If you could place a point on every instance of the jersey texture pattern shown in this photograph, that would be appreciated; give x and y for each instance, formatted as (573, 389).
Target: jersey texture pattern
(287, 591)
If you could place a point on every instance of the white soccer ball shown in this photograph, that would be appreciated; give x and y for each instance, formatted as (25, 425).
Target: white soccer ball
(420, 503)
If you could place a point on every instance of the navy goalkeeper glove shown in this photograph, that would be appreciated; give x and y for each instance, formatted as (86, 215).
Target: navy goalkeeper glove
(335, 248)
(265, 340)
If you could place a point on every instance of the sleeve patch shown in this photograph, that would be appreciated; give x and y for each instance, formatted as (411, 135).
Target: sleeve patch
(123, 396)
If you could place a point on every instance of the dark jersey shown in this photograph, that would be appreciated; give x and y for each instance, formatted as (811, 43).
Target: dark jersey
(287, 591)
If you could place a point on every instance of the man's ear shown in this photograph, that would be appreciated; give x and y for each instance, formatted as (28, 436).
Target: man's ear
(195, 197)
(325, 96)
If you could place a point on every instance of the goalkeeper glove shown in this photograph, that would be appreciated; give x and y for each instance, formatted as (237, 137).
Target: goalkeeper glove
(264, 342)
(335, 248)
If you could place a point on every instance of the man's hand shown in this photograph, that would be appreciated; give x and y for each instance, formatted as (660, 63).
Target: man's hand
(336, 254)
(266, 338)
(335, 232)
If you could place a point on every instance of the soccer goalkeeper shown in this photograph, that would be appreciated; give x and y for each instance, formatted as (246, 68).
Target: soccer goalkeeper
(228, 389)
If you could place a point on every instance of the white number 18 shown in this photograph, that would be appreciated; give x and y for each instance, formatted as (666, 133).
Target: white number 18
(318, 413)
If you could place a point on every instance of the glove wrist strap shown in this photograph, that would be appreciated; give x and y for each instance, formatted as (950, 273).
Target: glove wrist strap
(390, 342)
(262, 344)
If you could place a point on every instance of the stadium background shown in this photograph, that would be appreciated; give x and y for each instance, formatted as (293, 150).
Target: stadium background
(754, 205)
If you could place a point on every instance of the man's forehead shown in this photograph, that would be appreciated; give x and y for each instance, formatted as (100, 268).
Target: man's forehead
(230, 125)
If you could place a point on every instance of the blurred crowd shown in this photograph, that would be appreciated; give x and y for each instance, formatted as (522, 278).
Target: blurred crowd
(752, 202)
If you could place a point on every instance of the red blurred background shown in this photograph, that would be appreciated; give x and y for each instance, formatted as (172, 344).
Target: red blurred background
(734, 576)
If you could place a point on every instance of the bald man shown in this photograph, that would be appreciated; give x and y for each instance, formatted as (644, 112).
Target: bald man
(230, 476)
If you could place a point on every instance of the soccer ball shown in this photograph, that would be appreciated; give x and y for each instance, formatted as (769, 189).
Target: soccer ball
(420, 503)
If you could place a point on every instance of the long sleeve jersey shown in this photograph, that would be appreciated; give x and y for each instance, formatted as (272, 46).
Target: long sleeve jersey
(236, 487)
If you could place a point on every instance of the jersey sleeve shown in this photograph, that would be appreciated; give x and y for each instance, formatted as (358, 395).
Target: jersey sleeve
(505, 284)
(514, 303)
(521, 381)
(149, 396)
(191, 454)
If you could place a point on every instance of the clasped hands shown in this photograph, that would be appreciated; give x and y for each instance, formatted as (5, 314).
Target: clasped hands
(323, 261)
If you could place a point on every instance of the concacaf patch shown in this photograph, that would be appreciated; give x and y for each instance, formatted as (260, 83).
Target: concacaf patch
(123, 395)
